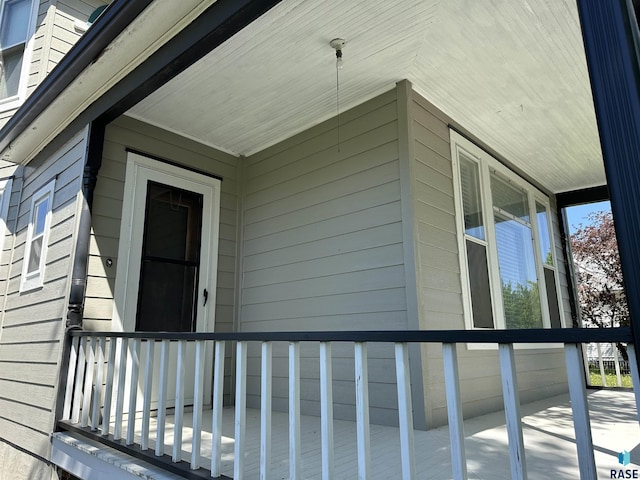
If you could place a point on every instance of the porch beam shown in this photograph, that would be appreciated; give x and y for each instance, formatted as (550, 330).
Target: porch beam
(582, 196)
(609, 30)
(217, 24)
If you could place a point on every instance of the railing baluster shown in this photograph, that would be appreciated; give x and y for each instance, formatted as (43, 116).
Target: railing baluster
(97, 397)
(133, 390)
(241, 407)
(146, 398)
(198, 394)
(635, 377)
(108, 391)
(216, 414)
(162, 397)
(603, 377)
(326, 410)
(580, 411)
(77, 390)
(405, 411)
(71, 373)
(122, 375)
(179, 412)
(512, 411)
(294, 410)
(585, 361)
(454, 411)
(88, 383)
(616, 363)
(265, 412)
(362, 411)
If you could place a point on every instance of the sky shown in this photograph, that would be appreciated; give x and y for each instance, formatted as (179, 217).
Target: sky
(577, 215)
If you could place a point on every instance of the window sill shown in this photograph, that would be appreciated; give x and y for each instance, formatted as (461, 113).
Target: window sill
(10, 103)
(30, 287)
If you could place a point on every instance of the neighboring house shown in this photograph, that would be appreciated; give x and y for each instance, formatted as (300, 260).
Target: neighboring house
(34, 36)
(184, 169)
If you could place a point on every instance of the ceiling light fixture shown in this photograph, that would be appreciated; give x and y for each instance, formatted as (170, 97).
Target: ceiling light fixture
(338, 44)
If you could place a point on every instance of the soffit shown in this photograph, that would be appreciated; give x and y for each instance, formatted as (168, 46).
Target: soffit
(156, 25)
(511, 73)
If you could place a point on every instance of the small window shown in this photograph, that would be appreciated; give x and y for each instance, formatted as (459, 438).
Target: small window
(37, 236)
(15, 29)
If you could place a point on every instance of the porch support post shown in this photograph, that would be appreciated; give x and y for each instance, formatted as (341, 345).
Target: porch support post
(610, 34)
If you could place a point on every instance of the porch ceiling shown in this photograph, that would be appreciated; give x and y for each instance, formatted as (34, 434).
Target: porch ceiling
(511, 73)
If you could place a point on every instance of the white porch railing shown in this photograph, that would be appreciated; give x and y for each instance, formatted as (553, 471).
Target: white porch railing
(109, 389)
(605, 359)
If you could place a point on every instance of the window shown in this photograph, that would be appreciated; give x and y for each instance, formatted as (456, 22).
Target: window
(37, 236)
(507, 257)
(16, 27)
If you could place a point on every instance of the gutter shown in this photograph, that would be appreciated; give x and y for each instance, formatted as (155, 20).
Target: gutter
(115, 18)
(79, 274)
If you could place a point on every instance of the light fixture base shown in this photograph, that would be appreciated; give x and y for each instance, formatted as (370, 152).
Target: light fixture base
(337, 43)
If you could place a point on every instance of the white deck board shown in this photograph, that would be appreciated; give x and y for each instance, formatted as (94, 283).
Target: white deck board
(549, 441)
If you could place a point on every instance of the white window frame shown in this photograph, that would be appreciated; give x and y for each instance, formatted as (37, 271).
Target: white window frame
(15, 101)
(35, 279)
(486, 166)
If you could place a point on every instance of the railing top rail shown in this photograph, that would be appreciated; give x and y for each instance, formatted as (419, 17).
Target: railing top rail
(541, 335)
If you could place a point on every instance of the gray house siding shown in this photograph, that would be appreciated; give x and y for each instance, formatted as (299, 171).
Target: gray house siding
(540, 372)
(323, 250)
(107, 211)
(33, 322)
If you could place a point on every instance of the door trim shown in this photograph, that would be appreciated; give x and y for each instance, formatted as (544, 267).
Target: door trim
(139, 170)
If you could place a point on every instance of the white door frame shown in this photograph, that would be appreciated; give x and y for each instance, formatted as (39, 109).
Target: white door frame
(140, 169)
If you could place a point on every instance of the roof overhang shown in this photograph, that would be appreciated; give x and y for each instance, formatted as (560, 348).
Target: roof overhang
(131, 50)
(511, 74)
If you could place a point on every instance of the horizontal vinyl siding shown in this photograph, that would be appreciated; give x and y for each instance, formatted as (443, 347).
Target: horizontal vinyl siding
(107, 211)
(322, 250)
(33, 322)
(540, 372)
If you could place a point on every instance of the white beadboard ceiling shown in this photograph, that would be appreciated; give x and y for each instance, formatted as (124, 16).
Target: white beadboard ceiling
(511, 72)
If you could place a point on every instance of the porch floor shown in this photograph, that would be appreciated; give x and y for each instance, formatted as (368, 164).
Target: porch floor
(547, 427)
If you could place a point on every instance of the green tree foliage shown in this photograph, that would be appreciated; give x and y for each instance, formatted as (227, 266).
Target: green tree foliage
(521, 305)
